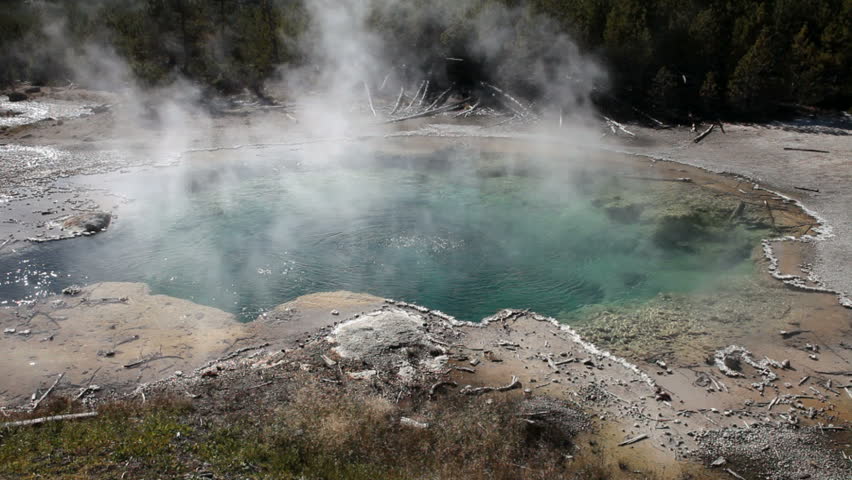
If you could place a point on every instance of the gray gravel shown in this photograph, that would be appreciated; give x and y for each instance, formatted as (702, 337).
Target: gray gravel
(779, 453)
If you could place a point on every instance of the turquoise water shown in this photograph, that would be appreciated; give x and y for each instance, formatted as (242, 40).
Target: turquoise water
(457, 231)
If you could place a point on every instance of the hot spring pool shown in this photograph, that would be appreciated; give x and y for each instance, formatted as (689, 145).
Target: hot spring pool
(461, 231)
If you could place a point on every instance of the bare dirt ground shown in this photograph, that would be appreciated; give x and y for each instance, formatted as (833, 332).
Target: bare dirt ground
(766, 418)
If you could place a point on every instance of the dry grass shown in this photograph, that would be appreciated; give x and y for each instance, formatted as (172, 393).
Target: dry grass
(318, 433)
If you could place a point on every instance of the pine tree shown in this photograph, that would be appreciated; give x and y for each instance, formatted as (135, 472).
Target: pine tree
(753, 86)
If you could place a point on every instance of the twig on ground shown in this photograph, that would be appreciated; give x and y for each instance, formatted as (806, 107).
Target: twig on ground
(633, 440)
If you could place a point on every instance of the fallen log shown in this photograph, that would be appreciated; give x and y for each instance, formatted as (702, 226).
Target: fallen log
(55, 418)
(811, 150)
(469, 390)
(704, 134)
(416, 95)
(398, 101)
(425, 92)
(154, 358)
(439, 101)
(633, 440)
(771, 216)
(438, 385)
(845, 373)
(737, 211)
(659, 123)
(524, 110)
(815, 190)
(516, 383)
(615, 125)
(734, 474)
(369, 98)
(469, 111)
(429, 113)
(38, 402)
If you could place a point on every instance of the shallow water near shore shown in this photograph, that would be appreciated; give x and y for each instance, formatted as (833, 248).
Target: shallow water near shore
(458, 230)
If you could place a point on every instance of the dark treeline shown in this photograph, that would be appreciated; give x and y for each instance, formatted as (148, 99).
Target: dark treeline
(675, 57)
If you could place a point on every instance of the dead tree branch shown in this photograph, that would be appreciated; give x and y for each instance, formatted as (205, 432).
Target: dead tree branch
(704, 134)
(55, 418)
(38, 402)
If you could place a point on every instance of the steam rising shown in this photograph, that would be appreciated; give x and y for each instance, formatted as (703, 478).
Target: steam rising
(327, 103)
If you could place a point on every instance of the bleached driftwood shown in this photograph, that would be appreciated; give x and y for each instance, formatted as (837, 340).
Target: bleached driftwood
(438, 101)
(524, 111)
(416, 95)
(41, 399)
(55, 418)
(704, 134)
(398, 101)
(734, 474)
(438, 385)
(425, 92)
(633, 440)
(613, 125)
(469, 111)
(469, 390)
(369, 98)
(429, 113)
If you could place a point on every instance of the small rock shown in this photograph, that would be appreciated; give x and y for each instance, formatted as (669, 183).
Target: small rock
(335, 313)
(588, 362)
(474, 362)
(9, 330)
(72, 291)
(24, 332)
(178, 373)
(785, 364)
(87, 223)
(718, 462)
(17, 96)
